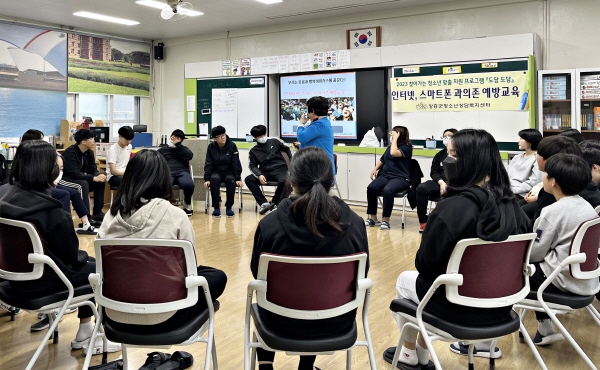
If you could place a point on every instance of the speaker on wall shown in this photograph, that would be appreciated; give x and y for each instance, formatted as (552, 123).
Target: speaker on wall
(159, 52)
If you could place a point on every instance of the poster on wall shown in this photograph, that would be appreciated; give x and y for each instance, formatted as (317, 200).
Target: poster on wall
(104, 66)
(461, 92)
(33, 80)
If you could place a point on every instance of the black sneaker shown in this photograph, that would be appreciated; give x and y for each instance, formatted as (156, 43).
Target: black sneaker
(94, 223)
(89, 231)
(43, 324)
(98, 216)
(188, 212)
(266, 208)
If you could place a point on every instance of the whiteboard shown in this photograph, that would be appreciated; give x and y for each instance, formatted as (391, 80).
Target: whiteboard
(225, 110)
(251, 110)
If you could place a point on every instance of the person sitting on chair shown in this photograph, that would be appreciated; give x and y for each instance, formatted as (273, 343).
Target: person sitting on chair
(28, 198)
(309, 223)
(478, 204)
(436, 187)
(390, 176)
(178, 157)
(142, 210)
(80, 168)
(267, 163)
(222, 165)
(118, 156)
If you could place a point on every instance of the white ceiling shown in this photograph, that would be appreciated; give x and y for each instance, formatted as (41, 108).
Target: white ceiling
(219, 15)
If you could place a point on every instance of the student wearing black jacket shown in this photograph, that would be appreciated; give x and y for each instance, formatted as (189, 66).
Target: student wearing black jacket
(79, 167)
(222, 165)
(478, 204)
(295, 229)
(592, 193)
(267, 164)
(178, 158)
(436, 187)
(28, 198)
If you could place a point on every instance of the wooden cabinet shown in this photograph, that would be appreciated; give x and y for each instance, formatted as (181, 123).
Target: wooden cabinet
(359, 169)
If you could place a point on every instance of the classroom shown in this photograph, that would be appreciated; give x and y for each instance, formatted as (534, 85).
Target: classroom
(406, 175)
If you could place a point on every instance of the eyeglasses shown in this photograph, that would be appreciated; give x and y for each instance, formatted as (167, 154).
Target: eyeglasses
(221, 137)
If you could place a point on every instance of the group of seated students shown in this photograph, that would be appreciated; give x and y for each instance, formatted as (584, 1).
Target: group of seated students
(479, 199)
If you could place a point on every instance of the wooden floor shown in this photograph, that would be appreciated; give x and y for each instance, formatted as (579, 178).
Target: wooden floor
(227, 244)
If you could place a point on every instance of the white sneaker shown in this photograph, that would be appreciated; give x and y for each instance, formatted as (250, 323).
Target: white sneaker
(99, 347)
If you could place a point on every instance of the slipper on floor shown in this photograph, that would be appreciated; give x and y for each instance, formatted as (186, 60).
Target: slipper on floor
(154, 360)
(388, 356)
(179, 360)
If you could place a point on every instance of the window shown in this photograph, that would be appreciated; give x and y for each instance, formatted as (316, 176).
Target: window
(95, 106)
(115, 110)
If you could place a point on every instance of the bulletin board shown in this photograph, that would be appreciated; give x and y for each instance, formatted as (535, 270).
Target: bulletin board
(236, 103)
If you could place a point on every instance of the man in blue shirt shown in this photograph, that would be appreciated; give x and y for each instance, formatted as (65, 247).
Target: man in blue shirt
(318, 131)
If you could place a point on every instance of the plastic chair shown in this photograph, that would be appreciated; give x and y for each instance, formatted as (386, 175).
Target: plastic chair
(269, 183)
(583, 264)
(238, 190)
(404, 195)
(111, 189)
(471, 280)
(22, 259)
(308, 288)
(598, 210)
(335, 184)
(161, 276)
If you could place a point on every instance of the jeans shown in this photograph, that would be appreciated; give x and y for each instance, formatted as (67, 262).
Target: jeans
(185, 182)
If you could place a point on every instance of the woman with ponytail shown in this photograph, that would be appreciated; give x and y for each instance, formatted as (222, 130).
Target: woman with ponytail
(309, 223)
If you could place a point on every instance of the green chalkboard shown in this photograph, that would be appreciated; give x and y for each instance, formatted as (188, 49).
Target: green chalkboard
(205, 93)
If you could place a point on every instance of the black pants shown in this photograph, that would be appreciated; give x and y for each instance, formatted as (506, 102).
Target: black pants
(215, 188)
(281, 192)
(115, 181)
(51, 283)
(186, 183)
(387, 188)
(535, 282)
(529, 208)
(427, 190)
(216, 285)
(86, 188)
(304, 329)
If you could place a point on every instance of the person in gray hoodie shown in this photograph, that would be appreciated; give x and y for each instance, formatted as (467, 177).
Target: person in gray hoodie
(142, 210)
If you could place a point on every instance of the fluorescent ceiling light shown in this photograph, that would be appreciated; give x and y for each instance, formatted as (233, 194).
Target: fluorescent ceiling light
(106, 18)
(160, 5)
(269, 1)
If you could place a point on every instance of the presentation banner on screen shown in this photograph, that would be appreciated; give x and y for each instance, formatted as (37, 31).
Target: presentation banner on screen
(338, 88)
(464, 92)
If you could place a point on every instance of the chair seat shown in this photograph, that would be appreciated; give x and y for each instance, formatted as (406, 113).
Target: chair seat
(401, 194)
(271, 183)
(173, 336)
(566, 299)
(112, 187)
(35, 301)
(463, 332)
(435, 199)
(336, 342)
(175, 187)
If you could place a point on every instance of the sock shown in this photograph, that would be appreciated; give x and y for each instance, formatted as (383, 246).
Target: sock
(86, 226)
(545, 327)
(483, 346)
(422, 355)
(84, 332)
(408, 356)
(265, 365)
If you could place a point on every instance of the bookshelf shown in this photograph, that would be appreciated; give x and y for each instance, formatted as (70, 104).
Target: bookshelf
(588, 102)
(557, 100)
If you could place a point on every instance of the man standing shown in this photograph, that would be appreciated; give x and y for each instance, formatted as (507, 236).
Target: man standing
(267, 163)
(80, 168)
(178, 157)
(118, 156)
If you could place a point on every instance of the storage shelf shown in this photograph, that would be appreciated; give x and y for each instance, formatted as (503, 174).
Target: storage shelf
(586, 131)
(598, 99)
(557, 101)
(556, 130)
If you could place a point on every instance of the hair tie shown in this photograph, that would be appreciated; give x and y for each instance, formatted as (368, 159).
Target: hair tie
(315, 181)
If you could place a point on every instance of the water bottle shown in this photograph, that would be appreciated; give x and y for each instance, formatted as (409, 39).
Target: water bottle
(381, 143)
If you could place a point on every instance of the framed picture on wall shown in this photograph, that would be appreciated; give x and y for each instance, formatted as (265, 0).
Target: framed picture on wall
(363, 38)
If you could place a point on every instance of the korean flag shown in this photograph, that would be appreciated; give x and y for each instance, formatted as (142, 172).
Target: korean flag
(364, 38)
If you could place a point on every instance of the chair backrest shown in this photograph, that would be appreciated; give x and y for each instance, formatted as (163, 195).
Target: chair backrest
(145, 275)
(598, 210)
(311, 288)
(586, 240)
(18, 239)
(494, 273)
(99, 123)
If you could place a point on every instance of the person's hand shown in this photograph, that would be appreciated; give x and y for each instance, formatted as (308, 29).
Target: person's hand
(443, 187)
(530, 198)
(303, 119)
(206, 184)
(395, 135)
(374, 173)
(297, 145)
(262, 179)
(239, 184)
(99, 178)
(175, 139)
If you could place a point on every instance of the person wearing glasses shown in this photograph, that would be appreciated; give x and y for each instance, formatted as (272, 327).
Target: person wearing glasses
(436, 187)
(178, 158)
(222, 165)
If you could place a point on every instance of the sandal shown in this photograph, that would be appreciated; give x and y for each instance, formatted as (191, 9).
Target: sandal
(179, 360)
(154, 360)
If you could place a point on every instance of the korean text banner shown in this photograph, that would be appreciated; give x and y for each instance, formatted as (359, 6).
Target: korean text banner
(464, 92)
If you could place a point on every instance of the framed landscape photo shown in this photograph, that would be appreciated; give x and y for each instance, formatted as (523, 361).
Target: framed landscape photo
(363, 38)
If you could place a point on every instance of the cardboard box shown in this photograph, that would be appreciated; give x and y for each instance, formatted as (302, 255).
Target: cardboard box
(102, 149)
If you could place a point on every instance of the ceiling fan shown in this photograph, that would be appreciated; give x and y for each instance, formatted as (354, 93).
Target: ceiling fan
(176, 10)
